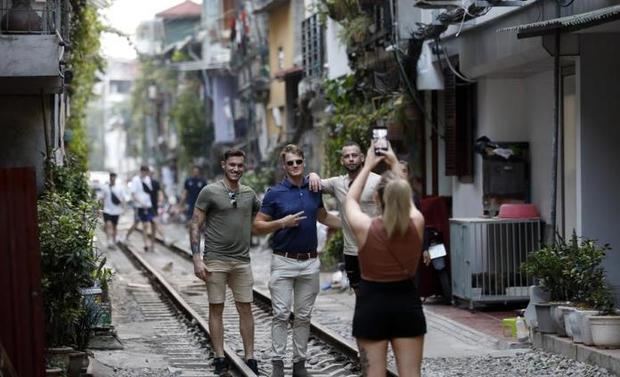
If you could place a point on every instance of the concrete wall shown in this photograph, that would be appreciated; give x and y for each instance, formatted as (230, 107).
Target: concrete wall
(512, 110)
(22, 141)
(600, 152)
(539, 124)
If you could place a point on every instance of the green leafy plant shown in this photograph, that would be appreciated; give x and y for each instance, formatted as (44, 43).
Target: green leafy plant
(355, 30)
(570, 270)
(188, 113)
(66, 229)
(338, 10)
(259, 179)
(332, 254)
(85, 60)
(545, 265)
(602, 299)
(83, 326)
(352, 117)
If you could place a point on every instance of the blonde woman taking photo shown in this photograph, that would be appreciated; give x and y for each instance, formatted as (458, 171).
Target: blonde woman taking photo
(388, 308)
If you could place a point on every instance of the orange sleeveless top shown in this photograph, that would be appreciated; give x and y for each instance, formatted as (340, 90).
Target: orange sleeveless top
(384, 260)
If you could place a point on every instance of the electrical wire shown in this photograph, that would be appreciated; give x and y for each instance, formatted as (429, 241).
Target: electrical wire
(456, 73)
(403, 73)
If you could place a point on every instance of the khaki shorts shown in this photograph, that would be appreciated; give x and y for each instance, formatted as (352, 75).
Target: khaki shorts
(237, 275)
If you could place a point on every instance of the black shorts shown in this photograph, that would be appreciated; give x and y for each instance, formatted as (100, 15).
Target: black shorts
(388, 310)
(145, 215)
(111, 218)
(352, 267)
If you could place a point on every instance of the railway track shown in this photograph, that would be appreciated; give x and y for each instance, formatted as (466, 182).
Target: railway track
(170, 271)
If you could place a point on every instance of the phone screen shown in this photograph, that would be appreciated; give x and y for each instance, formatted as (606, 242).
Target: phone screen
(379, 135)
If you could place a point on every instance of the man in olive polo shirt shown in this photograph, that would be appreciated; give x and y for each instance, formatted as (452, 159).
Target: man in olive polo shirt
(227, 208)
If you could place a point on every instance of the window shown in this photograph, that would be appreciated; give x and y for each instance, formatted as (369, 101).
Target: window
(460, 118)
(312, 46)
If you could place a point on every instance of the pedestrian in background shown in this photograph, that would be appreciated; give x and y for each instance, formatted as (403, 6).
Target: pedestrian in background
(157, 199)
(227, 209)
(352, 159)
(113, 201)
(388, 308)
(291, 210)
(141, 187)
(191, 189)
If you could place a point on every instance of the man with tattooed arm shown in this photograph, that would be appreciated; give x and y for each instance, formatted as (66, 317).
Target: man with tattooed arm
(227, 209)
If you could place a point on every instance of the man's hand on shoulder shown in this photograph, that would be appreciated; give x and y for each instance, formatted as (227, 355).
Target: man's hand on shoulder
(314, 182)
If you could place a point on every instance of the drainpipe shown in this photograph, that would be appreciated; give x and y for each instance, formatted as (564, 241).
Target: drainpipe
(556, 130)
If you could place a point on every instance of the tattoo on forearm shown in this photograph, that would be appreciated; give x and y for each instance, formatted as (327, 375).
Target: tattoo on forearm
(194, 233)
(195, 248)
(364, 361)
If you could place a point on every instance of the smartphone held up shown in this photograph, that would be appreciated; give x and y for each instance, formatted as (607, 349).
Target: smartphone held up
(379, 137)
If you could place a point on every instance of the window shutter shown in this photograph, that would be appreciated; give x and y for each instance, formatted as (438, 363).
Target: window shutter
(460, 120)
(450, 122)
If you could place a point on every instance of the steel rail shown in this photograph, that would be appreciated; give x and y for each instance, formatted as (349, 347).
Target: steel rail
(237, 362)
(322, 332)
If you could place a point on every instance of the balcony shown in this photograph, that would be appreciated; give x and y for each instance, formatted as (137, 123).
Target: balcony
(31, 36)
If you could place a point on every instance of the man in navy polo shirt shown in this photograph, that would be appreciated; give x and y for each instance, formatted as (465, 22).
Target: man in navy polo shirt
(291, 210)
(191, 189)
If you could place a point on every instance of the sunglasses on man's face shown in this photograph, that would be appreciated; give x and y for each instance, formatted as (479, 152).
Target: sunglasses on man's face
(294, 162)
(233, 199)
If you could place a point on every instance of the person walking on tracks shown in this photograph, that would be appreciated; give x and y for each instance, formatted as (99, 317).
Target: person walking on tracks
(227, 209)
(291, 210)
(388, 307)
(352, 159)
(113, 200)
(141, 188)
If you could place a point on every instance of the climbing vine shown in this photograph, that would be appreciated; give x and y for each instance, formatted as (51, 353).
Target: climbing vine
(84, 61)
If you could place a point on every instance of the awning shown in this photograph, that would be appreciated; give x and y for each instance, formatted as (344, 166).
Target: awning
(567, 24)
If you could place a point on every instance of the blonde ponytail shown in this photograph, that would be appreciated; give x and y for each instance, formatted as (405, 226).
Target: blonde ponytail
(395, 194)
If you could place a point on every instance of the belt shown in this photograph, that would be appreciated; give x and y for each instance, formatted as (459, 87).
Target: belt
(300, 255)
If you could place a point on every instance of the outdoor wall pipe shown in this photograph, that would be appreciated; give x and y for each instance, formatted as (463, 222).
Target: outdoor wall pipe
(556, 130)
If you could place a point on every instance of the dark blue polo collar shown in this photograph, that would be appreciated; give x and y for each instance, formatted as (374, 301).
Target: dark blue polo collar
(288, 184)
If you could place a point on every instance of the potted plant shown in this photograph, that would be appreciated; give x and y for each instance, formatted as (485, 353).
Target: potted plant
(605, 325)
(588, 279)
(545, 265)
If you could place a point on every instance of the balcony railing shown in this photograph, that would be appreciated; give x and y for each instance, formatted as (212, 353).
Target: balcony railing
(30, 17)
